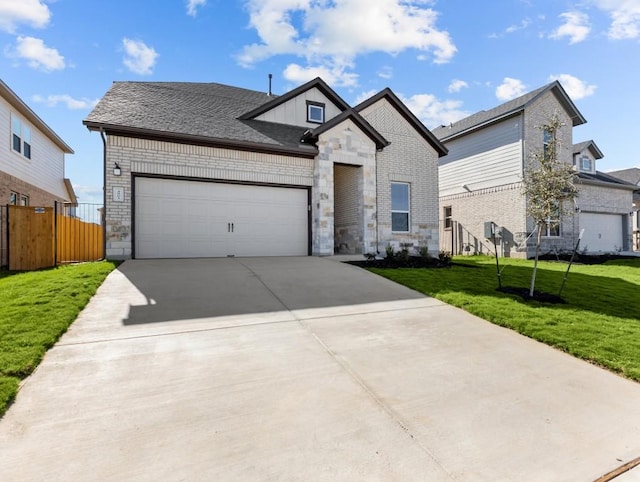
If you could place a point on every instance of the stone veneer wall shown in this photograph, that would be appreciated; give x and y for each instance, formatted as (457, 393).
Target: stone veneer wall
(408, 158)
(343, 144)
(141, 156)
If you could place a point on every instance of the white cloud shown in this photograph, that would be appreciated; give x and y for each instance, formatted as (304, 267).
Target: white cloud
(332, 75)
(336, 33)
(34, 13)
(510, 89)
(512, 28)
(88, 194)
(576, 27)
(70, 102)
(192, 6)
(385, 72)
(139, 58)
(434, 112)
(37, 54)
(625, 18)
(457, 85)
(364, 96)
(575, 88)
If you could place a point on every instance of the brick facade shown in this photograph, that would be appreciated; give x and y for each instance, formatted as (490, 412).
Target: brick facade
(151, 157)
(37, 196)
(411, 159)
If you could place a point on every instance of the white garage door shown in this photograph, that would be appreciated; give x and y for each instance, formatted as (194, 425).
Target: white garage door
(602, 232)
(191, 219)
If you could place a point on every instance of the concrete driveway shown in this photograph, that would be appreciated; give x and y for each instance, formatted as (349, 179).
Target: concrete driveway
(306, 369)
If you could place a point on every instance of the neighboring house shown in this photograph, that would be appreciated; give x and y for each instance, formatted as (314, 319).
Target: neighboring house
(632, 176)
(31, 161)
(603, 205)
(481, 180)
(207, 170)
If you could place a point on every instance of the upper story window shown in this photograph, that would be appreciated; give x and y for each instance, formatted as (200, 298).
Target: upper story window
(547, 137)
(400, 207)
(315, 112)
(13, 198)
(586, 164)
(20, 137)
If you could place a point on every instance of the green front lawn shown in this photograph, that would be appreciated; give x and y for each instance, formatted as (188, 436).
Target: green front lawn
(36, 308)
(600, 321)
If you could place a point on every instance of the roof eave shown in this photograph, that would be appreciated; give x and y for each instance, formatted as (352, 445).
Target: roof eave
(408, 116)
(17, 103)
(136, 132)
(318, 83)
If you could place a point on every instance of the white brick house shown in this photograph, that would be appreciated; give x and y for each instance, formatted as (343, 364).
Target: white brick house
(480, 181)
(206, 170)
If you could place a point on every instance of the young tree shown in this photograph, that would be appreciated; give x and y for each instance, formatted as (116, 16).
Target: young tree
(549, 187)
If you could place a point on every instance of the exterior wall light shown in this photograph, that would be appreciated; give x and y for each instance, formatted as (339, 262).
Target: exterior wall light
(116, 170)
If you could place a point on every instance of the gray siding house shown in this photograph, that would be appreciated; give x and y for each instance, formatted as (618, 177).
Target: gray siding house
(480, 181)
(208, 170)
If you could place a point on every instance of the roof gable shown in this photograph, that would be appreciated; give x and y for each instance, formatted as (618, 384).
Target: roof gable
(407, 115)
(508, 109)
(317, 83)
(590, 146)
(358, 120)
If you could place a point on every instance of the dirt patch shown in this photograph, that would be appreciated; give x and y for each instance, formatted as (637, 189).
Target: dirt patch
(540, 296)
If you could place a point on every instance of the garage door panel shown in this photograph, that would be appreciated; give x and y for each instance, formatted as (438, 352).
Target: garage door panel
(184, 219)
(602, 232)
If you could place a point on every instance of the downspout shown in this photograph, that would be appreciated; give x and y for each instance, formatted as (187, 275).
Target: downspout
(377, 224)
(104, 194)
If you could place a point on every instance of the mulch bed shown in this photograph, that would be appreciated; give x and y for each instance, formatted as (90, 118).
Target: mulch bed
(410, 262)
(540, 296)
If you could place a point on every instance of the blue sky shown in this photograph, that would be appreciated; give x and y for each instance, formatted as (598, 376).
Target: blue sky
(446, 59)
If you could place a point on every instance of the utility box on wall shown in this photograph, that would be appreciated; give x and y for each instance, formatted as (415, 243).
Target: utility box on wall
(491, 229)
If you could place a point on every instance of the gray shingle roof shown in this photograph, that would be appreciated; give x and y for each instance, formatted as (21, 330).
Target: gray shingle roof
(508, 108)
(604, 178)
(193, 110)
(631, 175)
(595, 150)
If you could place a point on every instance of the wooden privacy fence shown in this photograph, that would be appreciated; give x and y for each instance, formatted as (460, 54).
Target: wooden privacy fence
(40, 237)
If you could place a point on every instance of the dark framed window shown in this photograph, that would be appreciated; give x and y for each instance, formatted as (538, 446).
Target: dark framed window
(20, 137)
(13, 198)
(26, 141)
(448, 218)
(16, 134)
(315, 112)
(400, 207)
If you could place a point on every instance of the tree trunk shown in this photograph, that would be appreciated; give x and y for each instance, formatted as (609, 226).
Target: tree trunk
(535, 262)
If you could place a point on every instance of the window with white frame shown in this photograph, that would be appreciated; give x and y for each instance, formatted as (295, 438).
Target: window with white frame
(24, 200)
(448, 217)
(400, 206)
(552, 225)
(546, 142)
(315, 112)
(586, 164)
(20, 137)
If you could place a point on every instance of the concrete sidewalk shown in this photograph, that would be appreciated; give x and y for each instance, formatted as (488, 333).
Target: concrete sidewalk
(306, 369)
